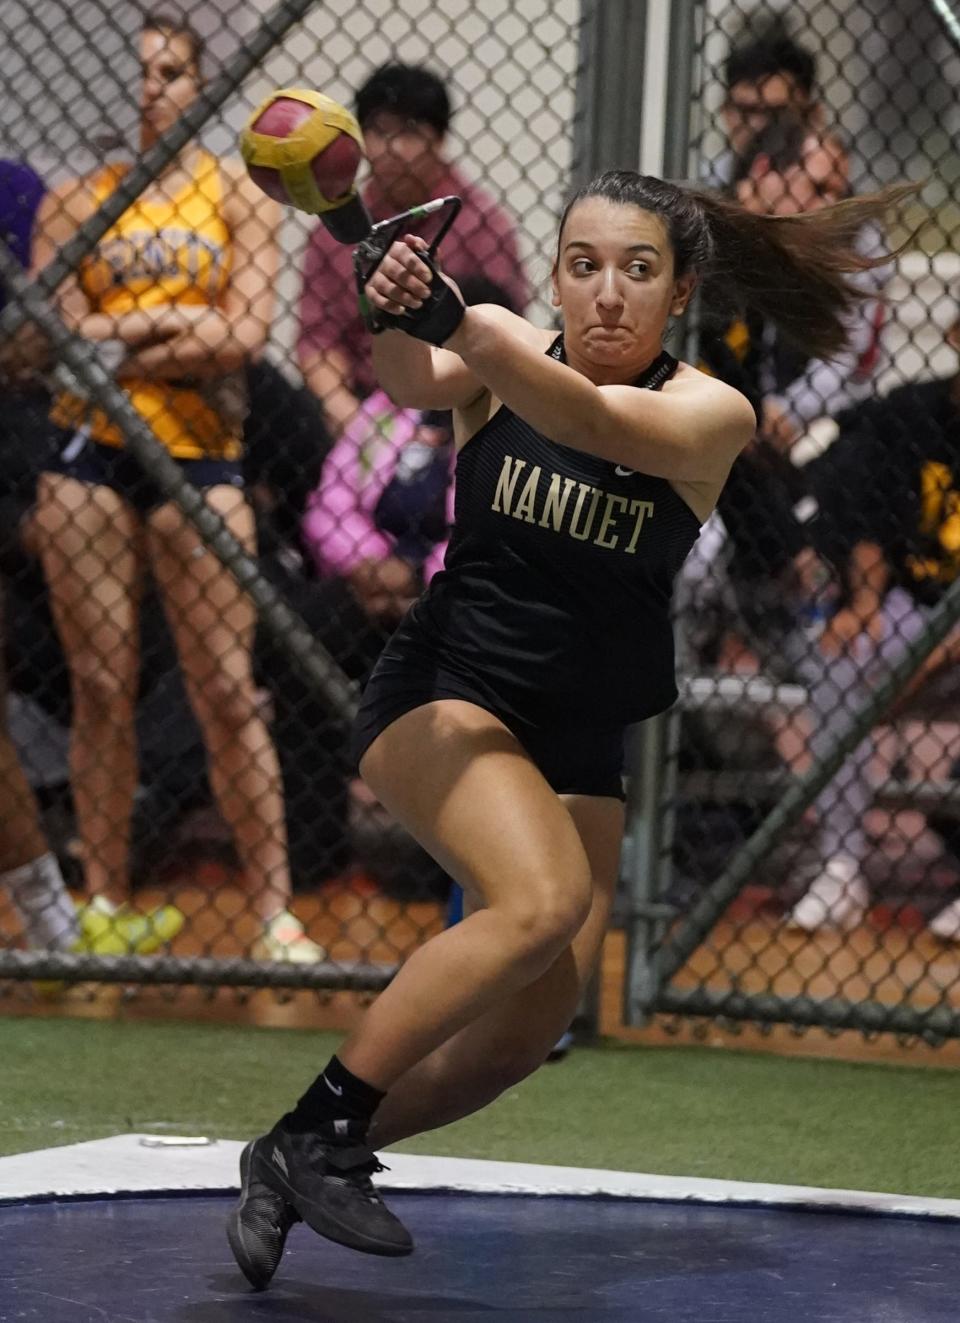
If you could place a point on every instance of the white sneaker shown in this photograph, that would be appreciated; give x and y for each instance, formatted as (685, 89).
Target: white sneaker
(946, 924)
(284, 938)
(838, 898)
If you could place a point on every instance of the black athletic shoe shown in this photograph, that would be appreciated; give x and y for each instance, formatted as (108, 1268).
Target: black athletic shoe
(327, 1180)
(257, 1228)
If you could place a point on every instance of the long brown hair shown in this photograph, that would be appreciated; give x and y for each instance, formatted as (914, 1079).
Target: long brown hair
(792, 269)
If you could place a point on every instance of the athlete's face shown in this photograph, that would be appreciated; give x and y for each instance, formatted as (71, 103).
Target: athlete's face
(614, 282)
(171, 81)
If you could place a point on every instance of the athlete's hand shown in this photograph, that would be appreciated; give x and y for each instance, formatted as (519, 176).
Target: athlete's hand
(409, 287)
(402, 281)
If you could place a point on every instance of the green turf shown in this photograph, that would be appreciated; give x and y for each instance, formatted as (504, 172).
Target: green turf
(682, 1111)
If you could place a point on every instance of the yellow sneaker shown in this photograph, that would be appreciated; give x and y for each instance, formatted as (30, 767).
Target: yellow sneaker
(50, 989)
(284, 938)
(107, 929)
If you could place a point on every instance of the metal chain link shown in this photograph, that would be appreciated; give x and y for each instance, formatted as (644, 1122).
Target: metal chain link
(812, 874)
(202, 556)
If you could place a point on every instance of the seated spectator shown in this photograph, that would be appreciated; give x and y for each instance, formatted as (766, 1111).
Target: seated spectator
(376, 531)
(889, 491)
(788, 171)
(404, 112)
(380, 515)
(766, 73)
(758, 585)
(761, 556)
(285, 443)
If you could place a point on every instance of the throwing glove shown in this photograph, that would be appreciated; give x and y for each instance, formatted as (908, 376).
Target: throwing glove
(438, 316)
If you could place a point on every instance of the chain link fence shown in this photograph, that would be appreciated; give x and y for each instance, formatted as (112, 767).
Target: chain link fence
(213, 521)
(801, 859)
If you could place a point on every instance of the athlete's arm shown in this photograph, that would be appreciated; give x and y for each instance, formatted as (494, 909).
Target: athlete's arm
(417, 375)
(689, 431)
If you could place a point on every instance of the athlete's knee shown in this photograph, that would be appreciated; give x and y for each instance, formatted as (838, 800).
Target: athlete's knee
(544, 919)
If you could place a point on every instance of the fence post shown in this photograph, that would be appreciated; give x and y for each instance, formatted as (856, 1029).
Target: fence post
(647, 859)
(669, 42)
(609, 98)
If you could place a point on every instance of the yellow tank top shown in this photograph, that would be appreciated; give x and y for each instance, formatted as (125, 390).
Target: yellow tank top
(160, 253)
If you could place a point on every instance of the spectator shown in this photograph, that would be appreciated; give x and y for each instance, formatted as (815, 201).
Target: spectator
(404, 112)
(766, 73)
(376, 530)
(786, 171)
(285, 444)
(180, 290)
(29, 870)
(380, 516)
(889, 490)
(764, 550)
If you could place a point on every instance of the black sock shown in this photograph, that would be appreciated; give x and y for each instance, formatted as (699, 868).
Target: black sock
(335, 1095)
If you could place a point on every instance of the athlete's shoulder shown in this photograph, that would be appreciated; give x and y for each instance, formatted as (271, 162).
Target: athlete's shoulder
(728, 408)
(689, 379)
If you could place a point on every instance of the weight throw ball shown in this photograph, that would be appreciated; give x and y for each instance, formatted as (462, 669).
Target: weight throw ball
(303, 148)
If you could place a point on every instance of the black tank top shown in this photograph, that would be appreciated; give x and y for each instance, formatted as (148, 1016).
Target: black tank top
(554, 601)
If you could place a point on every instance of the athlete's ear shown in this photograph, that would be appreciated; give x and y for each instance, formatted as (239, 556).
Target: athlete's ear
(953, 335)
(555, 297)
(682, 291)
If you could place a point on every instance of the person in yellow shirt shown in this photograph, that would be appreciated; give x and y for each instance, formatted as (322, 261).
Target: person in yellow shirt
(180, 292)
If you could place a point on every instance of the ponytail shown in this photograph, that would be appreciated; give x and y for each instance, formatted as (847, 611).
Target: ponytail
(792, 269)
(795, 270)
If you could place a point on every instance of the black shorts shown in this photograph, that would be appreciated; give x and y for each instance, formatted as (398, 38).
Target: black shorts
(108, 466)
(573, 760)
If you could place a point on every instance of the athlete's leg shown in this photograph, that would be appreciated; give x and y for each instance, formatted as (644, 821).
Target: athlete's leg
(89, 547)
(513, 1038)
(462, 785)
(213, 622)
